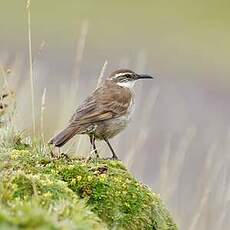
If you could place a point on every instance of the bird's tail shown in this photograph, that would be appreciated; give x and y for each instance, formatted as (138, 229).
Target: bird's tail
(63, 136)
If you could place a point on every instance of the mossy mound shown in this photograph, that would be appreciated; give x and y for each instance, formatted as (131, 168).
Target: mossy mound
(37, 192)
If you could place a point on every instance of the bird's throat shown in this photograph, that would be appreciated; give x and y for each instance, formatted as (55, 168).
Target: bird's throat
(128, 84)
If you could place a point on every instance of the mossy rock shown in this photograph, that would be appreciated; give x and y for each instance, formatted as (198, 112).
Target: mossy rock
(37, 192)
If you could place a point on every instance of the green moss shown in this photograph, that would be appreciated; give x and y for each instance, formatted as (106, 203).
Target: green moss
(116, 196)
(37, 192)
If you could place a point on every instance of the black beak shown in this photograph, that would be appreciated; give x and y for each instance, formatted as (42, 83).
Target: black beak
(143, 76)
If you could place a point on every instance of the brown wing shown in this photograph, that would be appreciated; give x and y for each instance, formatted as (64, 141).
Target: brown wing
(106, 102)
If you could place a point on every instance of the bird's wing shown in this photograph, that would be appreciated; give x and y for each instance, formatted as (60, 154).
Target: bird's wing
(105, 103)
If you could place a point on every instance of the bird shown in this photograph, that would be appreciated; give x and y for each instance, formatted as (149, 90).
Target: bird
(105, 113)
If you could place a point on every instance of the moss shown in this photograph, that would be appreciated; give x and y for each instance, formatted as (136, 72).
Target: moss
(116, 196)
(37, 192)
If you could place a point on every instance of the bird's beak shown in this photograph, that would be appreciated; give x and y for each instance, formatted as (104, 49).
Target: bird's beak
(143, 76)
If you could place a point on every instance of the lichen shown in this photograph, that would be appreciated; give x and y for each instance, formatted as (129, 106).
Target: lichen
(37, 192)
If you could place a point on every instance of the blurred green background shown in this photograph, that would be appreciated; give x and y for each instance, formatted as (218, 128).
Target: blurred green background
(179, 140)
(181, 37)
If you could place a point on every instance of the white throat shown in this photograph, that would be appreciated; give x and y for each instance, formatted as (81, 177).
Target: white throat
(128, 84)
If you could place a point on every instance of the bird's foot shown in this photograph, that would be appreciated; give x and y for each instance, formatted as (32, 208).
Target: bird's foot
(113, 158)
(65, 156)
(90, 157)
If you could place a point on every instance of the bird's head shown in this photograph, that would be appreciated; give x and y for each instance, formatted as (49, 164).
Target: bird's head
(126, 77)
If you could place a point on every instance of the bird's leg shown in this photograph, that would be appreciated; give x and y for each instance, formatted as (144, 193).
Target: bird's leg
(92, 141)
(114, 157)
(94, 147)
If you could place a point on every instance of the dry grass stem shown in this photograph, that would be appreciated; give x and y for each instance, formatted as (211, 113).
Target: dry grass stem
(43, 102)
(28, 6)
(180, 156)
(80, 48)
(164, 169)
(100, 78)
(78, 146)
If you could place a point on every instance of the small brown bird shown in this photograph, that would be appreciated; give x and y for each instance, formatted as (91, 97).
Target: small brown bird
(105, 113)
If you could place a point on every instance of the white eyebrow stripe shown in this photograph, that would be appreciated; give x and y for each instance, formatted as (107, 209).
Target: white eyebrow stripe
(122, 74)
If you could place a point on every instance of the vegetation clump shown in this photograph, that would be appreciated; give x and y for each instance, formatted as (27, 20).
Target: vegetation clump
(38, 192)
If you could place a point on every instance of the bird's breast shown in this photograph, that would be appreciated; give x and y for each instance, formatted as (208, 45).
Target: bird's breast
(112, 127)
